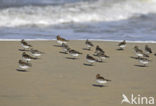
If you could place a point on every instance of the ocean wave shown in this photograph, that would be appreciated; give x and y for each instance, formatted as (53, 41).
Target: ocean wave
(79, 12)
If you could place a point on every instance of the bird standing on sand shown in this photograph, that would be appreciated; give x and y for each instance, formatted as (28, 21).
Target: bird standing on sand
(61, 40)
(36, 53)
(144, 61)
(27, 57)
(24, 65)
(89, 44)
(98, 50)
(101, 80)
(148, 49)
(90, 59)
(65, 48)
(102, 56)
(74, 53)
(25, 45)
(139, 52)
(122, 45)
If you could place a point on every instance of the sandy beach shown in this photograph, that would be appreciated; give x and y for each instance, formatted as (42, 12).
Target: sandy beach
(56, 80)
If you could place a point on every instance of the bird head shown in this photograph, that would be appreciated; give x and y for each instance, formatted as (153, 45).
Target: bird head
(23, 53)
(136, 47)
(58, 36)
(87, 55)
(22, 40)
(146, 45)
(97, 75)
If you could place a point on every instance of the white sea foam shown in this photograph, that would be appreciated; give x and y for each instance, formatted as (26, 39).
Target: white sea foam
(79, 12)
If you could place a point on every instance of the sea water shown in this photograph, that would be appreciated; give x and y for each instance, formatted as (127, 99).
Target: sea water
(132, 20)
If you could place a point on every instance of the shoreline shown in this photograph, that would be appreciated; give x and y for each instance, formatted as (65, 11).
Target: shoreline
(128, 41)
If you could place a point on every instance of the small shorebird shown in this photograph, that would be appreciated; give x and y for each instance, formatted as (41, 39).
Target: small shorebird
(24, 65)
(89, 44)
(139, 52)
(65, 48)
(36, 53)
(27, 57)
(148, 49)
(98, 50)
(74, 53)
(25, 45)
(61, 40)
(102, 56)
(122, 45)
(91, 59)
(101, 80)
(144, 61)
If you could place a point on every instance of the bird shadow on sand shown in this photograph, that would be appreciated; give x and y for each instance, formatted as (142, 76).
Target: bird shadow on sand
(100, 61)
(140, 65)
(20, 70)
(88, 64)
(120, 49)
(72, 58)
(57, 45)
(23, 50)
(134, 57)
(36, 58)
(86, 49)
(63, 52)
(97, 85)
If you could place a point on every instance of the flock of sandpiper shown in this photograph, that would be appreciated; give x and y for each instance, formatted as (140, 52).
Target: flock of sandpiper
(142, 56)
(24, 63)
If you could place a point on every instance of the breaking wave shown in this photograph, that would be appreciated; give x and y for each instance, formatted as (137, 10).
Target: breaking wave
(75, 12)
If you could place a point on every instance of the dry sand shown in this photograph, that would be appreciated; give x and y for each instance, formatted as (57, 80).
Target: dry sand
(55, 80)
